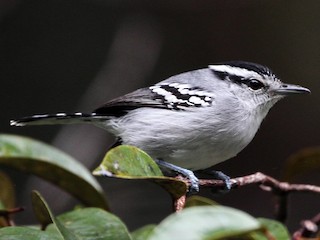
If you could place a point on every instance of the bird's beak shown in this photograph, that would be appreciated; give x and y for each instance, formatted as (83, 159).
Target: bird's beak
(288, 89)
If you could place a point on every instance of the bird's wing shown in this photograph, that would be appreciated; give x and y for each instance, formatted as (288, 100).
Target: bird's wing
(143, 97)
(174, 96)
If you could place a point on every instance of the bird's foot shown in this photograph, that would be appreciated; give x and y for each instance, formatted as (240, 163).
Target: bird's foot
(225, 178)
(194, 181)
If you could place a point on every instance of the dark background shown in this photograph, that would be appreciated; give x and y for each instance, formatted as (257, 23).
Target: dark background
(59, 55)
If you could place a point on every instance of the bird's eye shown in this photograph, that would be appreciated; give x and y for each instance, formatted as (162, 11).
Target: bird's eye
(254, 84)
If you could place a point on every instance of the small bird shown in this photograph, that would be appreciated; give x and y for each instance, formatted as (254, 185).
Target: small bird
(190, 121)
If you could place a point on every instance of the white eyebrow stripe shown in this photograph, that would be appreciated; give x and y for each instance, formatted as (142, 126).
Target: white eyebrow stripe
(234, 70)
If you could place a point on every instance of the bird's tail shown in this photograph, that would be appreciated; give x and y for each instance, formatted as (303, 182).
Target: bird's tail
(58, 118)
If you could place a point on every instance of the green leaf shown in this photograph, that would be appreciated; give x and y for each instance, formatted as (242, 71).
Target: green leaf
(41, 209)
(94, 224)
(199, 201)
(7, 194)
(129, 162)
(25, 233)
(49, 163)
(67, 235)
(143, 233)
(205, 222)
(271, 228)
(302, 162)
(44, 214)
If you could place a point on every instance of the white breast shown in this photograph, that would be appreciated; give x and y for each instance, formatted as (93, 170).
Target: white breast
(184, 138)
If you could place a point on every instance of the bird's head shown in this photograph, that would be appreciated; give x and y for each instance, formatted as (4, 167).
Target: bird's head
(254, 84)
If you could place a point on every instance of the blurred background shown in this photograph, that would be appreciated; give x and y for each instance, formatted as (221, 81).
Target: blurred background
(74, 55)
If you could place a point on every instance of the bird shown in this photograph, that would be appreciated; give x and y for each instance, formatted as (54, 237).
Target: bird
(190, 121)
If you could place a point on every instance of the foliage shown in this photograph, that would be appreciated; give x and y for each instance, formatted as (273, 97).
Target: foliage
(200, 219)
(34, 157)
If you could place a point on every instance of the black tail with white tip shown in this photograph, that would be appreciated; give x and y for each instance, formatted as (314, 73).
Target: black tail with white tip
(58, 118)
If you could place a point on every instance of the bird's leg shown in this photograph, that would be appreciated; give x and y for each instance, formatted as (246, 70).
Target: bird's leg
(194, 187)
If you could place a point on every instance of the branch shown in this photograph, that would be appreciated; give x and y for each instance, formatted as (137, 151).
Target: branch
(266, 183)
(6, 214)
(309, 228)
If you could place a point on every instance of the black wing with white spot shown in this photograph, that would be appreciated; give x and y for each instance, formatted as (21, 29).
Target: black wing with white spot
(172, 96)
(182, 96)
(175, 96)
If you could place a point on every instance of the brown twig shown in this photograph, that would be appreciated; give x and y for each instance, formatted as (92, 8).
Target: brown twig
(266, 183)
(309, 228)
(6, 213)
(179, 203)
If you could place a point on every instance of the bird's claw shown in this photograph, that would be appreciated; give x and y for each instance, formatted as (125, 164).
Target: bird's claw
(225, 178)
(194, 181)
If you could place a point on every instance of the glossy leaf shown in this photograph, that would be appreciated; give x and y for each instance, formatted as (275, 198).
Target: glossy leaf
(40, 209)
(65, 232)
(81, 224)
(25, 233)
(302, 162)
(129, 162)
(143, 233)
(7, 195)
(195, 200)
(84, 224)
(205, 222)
(44, 214)
(273, 228)
(51, 164)
(94, 224)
